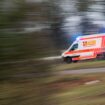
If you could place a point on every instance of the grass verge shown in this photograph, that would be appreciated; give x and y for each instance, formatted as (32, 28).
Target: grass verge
(80, 93)
(79, 65)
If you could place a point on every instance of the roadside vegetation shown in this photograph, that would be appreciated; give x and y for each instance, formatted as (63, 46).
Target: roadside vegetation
(62, 90)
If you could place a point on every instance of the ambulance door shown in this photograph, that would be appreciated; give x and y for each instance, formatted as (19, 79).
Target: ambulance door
(74, 50)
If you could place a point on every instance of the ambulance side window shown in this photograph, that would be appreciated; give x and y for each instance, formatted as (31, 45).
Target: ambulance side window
(74, 47)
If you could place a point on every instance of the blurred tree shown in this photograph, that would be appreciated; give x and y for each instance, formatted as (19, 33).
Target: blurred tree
(24, 38)
(83, 5)
(9, 25)
(56, 19)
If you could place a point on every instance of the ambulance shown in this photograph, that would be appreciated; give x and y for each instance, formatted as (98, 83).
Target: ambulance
(86, 47)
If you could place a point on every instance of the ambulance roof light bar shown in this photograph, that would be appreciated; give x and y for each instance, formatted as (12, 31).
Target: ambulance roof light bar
(78, 38)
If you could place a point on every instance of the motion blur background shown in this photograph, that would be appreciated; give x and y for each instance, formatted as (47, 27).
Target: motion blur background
(33, 29)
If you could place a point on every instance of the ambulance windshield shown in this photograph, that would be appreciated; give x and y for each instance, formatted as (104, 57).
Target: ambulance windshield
(74, 47)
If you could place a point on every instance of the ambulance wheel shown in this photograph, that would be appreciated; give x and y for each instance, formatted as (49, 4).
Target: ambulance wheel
(99, 57)
(103, 56)
(75, 61)
(68, 60)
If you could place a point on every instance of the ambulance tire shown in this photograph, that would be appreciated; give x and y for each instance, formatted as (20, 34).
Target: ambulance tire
(68, 60)
(103, 56)
(99, 57)
(75, 61)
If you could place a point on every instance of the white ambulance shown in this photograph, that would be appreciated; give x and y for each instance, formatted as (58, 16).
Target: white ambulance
(86, 47)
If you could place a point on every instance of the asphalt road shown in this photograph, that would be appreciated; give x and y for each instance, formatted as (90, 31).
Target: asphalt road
(82, 71)
(65, 72)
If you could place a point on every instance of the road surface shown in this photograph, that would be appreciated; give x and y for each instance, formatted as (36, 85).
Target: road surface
(82, 71)
(66, 72)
